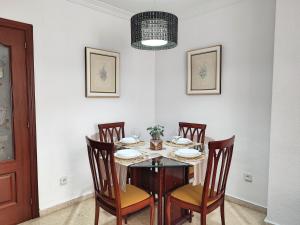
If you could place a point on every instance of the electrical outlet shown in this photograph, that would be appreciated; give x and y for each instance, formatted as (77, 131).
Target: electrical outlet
(248, 177)
(63, 180)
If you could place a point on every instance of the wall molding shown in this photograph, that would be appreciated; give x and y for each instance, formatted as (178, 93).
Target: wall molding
(82, 198)
(269, 222)
(126, 14)
(246, 204)
(208, 7)
(66, 204)
(104, 8)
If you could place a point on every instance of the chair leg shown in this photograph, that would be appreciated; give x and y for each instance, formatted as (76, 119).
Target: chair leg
(222, 210)
(125, 219)
(203, 219)
(97, 211)
(119, 220)
(152, 211)
(168, 211)
(190, 215)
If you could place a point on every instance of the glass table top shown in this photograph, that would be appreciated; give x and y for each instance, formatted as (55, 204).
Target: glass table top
(159, 162)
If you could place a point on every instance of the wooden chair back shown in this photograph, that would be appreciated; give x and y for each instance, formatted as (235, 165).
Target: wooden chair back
(192, 131)
(102, 163)
(218, 165)
(109, 131)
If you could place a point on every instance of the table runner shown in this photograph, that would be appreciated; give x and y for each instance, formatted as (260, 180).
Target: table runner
(199, 164)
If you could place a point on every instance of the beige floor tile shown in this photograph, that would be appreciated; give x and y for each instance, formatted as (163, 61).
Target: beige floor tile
(83, 214)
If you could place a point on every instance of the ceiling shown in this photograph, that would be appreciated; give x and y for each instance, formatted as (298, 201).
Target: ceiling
(175, 6)
(181, 8)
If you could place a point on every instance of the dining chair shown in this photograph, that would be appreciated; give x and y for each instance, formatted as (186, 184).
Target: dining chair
(109, 132)
(108, 195)
(204, 199)
(195, 132)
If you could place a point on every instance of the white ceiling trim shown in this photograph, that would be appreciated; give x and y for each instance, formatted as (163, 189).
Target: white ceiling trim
(207, 7)
(125, 14)
(105, 8)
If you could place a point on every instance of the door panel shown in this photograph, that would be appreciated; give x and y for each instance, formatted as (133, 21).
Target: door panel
(8, 190)
(6, 144)
(15, 180)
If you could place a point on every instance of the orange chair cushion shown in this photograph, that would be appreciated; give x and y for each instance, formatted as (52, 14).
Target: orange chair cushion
(132, 195)
(190, 194)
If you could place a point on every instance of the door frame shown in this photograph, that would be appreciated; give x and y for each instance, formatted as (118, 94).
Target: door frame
(28, 30)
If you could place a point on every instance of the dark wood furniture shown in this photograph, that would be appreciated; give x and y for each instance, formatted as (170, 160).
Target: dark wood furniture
(192, 131)
(110, 131)
(107, 191)
(195, 132)
(18, 175)
(205, 199)
(160, 176)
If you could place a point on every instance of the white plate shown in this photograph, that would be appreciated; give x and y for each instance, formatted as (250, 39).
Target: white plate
(176, 137)
(129, 140)
(187, 153)
(127, 154)
(182, 141)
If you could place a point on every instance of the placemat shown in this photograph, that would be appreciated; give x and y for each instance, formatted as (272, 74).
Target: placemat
(183, 159)
(128, 162)
(139, 144)
(169, 143)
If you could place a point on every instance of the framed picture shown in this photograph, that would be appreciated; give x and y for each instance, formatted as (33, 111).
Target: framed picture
(102, 70)
(204, 71)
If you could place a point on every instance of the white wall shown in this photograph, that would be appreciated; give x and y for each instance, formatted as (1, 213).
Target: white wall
(284, 178)
(64, 115)
(246, 31)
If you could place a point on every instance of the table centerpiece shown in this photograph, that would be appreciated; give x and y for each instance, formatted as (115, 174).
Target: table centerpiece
(156, 132)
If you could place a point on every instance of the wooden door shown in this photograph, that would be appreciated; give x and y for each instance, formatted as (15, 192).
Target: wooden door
(16, 199)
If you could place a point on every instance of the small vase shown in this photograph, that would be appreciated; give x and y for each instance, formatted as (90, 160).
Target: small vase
(156, 144)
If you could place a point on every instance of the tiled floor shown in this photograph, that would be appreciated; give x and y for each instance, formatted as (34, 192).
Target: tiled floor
(83, 214)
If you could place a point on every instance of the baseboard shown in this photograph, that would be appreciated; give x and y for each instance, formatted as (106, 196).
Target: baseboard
(269, 222)
(66, 204)
(245, 203)
(90, 195)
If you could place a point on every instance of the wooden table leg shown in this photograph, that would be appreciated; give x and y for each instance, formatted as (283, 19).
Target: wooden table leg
(160, 181)
(173, 179)
(160, 196)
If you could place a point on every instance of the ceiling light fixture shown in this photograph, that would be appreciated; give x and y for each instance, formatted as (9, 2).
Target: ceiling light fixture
(154, 30)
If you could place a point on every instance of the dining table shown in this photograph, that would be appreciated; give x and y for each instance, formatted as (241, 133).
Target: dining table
(161, 171)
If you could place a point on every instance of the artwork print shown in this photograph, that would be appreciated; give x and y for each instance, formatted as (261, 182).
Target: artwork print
(102, 73)
(204, 71)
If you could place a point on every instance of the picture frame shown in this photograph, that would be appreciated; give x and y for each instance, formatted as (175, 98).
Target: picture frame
(204, 71)
(102, 73)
